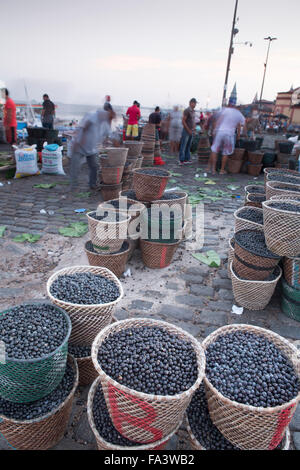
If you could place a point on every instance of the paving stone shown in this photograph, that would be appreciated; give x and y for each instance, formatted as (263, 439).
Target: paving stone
(179, 313)
(225, 294)
(287, 331)
(140, 305)
(296, 439)
(222, 283)
(191, 300)
(121, 314)
(172, 286)
(51, 230)
(202, 290)
(211, 317)
(192, 279)
(198, 270)
(153, 293)
(190, 328)
(223, 273)
(15, 249)
(295, 423)
(20, 229)
(83, 431)
(70, 444)
(7, 292)
(220, 305)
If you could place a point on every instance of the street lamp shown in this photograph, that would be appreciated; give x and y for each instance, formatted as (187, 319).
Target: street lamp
(234, 31)
(265, 67)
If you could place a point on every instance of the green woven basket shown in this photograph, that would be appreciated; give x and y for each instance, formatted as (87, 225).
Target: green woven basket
(27, 380)
(290, 301)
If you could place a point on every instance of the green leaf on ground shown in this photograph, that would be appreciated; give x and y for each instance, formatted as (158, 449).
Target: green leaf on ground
(26, 237)
(209, 181)
(175, 174)
(2, 230)
(172, 181)
(44, 185)
(211, 258)
(63, 182)
(76, 229)
(83, 195)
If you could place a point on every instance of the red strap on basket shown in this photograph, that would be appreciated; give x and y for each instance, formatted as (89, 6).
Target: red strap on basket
(118, 175)
(162, 187)
(163, 257)
(119, 417)
(283, 420)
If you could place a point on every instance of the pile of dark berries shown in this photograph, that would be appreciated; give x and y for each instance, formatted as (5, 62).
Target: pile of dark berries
(153, 172)
(256, 189)
(206, 433)
(90, 247)
(170, 195)
(287, 188)
(79, 351)
(257, 197)
(32, 331)
(35, 409)
(116, 203)
(112, 216)
(130, 194)
(202, 426)
(285, 206)
(149, 360)
(251, 214)
(250, 369)
(283, 178)
(84, 288)
(254, 242)
(104, 424)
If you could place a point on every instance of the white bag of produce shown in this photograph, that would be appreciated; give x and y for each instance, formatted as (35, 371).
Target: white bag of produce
(52, 159)
(26, 161)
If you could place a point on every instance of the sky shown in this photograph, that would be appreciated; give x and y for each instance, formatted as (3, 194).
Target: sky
(159, 52)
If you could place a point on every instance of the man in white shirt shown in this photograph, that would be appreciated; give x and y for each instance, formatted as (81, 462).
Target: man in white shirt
(229, 120)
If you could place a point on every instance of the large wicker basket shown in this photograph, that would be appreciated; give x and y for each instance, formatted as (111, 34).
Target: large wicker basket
(250, 200)
(149, 187)
(282, 229)
(44, 432)
(87, 320)
(249, 427)
(116, 155)
(182, 200)
(112, 175)
(131, 410)
(115, 262)
(253, 295)
(273, 188)
(108, 236)
(290, 301)
(291, 270)
(134, 212)
(243, 224)
(134, 147)
(230, 254)
(285, 198)
(102, 444)
(157, 255)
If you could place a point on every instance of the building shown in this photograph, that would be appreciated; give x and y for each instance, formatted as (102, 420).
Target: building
(288, 103)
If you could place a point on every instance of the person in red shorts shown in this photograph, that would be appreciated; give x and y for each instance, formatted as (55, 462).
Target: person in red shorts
(10, 120)
(134, 114)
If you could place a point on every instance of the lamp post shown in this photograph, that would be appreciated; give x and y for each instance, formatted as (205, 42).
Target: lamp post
(234, 31)
(265, 67)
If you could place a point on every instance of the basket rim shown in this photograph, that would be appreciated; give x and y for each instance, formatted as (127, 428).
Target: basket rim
(241, 209)
(199, 351)
(115, 209)
(262, 332)
(250, 251)
(4, 418)
(106, 254)
(255, 281)
(279, 183)
(142, 240)
(285, 197)
(88, 268)
(139, 170)
(254, 194)
(47, 356)
(117, 222)
(185, 196)
(253, 186)
(90, 401)
(293, 213)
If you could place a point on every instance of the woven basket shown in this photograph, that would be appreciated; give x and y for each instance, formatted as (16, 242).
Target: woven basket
(291, 271)
(116, 155)
(108, 237)
(87, 320)
(134, 212)
(285, 198)
(44, 432)
(148, 161)
(182, 200)
(130, 164)
(253, 295)
(148, 133)
(290, 301)
(283, 158)
(252, 189)
(248, 201)
(112, 175)
(195, 444)
(238, 154)
(243, 224)
(254, 169)
(115, 262)
(110, 191)
(230, 254)
(255, 157)
(149, 187)
(291, 173)
(134, 147)
(139, 162)
(157, 255)
(234, 166)
(249, 427)
(282, 230)
(273, 188)
(131, 410)
(102, 444)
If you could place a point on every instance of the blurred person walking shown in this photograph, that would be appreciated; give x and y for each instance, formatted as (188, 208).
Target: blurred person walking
(188, 122)
(155, 118)
(48, 112)
(91, 131)
(175, 129)
(10, 119)
(227, 123)
(134, 114)
(107, 105)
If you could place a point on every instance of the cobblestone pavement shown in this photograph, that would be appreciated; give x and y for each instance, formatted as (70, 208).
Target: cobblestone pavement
(187, 293)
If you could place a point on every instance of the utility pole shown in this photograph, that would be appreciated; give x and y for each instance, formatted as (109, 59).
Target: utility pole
(265, 67)
(234, 31)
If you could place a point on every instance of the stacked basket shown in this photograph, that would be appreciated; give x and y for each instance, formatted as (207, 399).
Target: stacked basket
(235, 161)
(203, 149)
(148, 139)
(112, 166)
